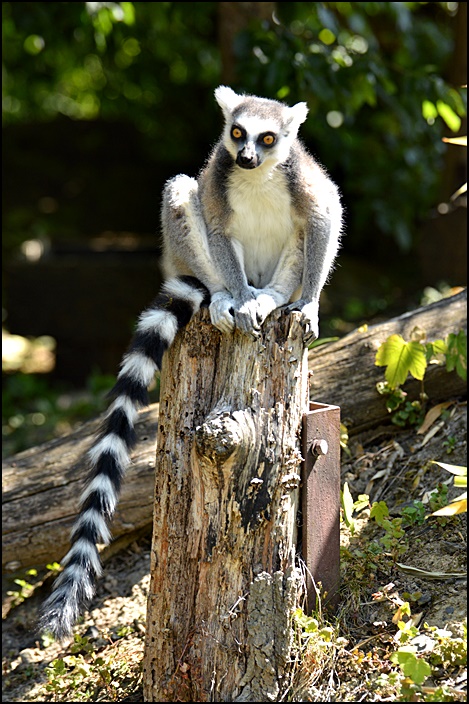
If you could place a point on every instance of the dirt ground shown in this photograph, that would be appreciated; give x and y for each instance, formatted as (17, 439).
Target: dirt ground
(388, 464)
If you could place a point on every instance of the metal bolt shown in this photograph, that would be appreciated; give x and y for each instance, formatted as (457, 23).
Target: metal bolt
(319, 447)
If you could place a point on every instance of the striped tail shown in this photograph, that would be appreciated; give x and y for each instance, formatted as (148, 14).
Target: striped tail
(178, 301)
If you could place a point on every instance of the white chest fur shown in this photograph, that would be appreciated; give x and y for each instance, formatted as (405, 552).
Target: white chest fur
(261, 220)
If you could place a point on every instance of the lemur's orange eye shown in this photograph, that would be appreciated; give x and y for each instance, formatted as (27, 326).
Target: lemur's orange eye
(236, 133)
(268, 139)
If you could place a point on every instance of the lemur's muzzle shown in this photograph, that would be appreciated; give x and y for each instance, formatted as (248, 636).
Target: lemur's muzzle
(247, 157)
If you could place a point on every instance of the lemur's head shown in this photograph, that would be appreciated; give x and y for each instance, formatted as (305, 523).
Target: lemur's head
(257, 130)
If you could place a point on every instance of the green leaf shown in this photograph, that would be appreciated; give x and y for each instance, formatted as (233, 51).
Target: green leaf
(456, 354)
(59, 666)
(412, 666)
(129, 12)
(307, 623)
(33, 44)
(311, 625)
(438, 347)
(362, 502)
(103, 21)
(401, 358)
(449, 116)
(326, 633)
(379, 511)
(429, 110)
(54, 566)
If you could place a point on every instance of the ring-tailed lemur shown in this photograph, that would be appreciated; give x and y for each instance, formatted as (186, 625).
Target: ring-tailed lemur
(259, 228)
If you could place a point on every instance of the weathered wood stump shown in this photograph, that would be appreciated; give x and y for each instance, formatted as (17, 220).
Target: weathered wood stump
(223, 577)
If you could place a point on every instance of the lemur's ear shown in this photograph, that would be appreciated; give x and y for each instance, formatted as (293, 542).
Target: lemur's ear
(227, 99)
(296, 115)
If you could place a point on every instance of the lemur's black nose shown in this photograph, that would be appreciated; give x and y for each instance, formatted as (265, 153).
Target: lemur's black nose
(247, 159)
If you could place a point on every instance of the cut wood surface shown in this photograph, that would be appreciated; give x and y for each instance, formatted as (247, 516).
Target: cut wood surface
(344, 372)
(42, 485)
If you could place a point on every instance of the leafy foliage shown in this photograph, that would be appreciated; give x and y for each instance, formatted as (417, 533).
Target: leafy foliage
(85, 672)
(418, 651)
(416, 668)
(375, 98)
(26, 588)
(370, 72)
(109, 60)
(402, 358)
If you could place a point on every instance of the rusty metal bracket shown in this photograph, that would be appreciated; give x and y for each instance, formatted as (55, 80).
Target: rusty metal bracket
(321, 501)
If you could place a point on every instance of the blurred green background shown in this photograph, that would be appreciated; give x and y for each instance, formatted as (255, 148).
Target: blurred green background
(103, 101)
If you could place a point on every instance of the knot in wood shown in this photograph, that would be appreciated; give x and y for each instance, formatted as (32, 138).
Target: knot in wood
(219, 437)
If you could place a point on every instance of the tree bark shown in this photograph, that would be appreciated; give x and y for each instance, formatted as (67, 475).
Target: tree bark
(344, 372)
(41, 486)
(223, 577)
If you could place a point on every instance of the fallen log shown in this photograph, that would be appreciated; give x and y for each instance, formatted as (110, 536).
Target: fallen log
(344, 372)
(41, 487)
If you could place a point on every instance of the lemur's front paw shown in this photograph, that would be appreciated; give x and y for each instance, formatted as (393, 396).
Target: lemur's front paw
(248, 317)
(268, 300)
(310, 318)
(222, 312)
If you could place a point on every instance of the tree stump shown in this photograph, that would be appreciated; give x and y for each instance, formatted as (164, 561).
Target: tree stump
(224, 582)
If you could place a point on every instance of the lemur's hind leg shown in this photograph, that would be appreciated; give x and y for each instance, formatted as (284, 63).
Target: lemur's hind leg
(185, 246)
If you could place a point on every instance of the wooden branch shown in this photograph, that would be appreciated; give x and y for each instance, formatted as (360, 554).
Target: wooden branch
(223, 576)
(41, 487)
(344, 372)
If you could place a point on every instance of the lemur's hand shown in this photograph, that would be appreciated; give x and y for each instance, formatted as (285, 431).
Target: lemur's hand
(248, 316)
(226, 313)
(268, 299)
(310, 317)
(222, 311)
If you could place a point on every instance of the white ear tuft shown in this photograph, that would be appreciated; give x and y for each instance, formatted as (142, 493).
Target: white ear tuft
(297, 114)
(227, 99)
